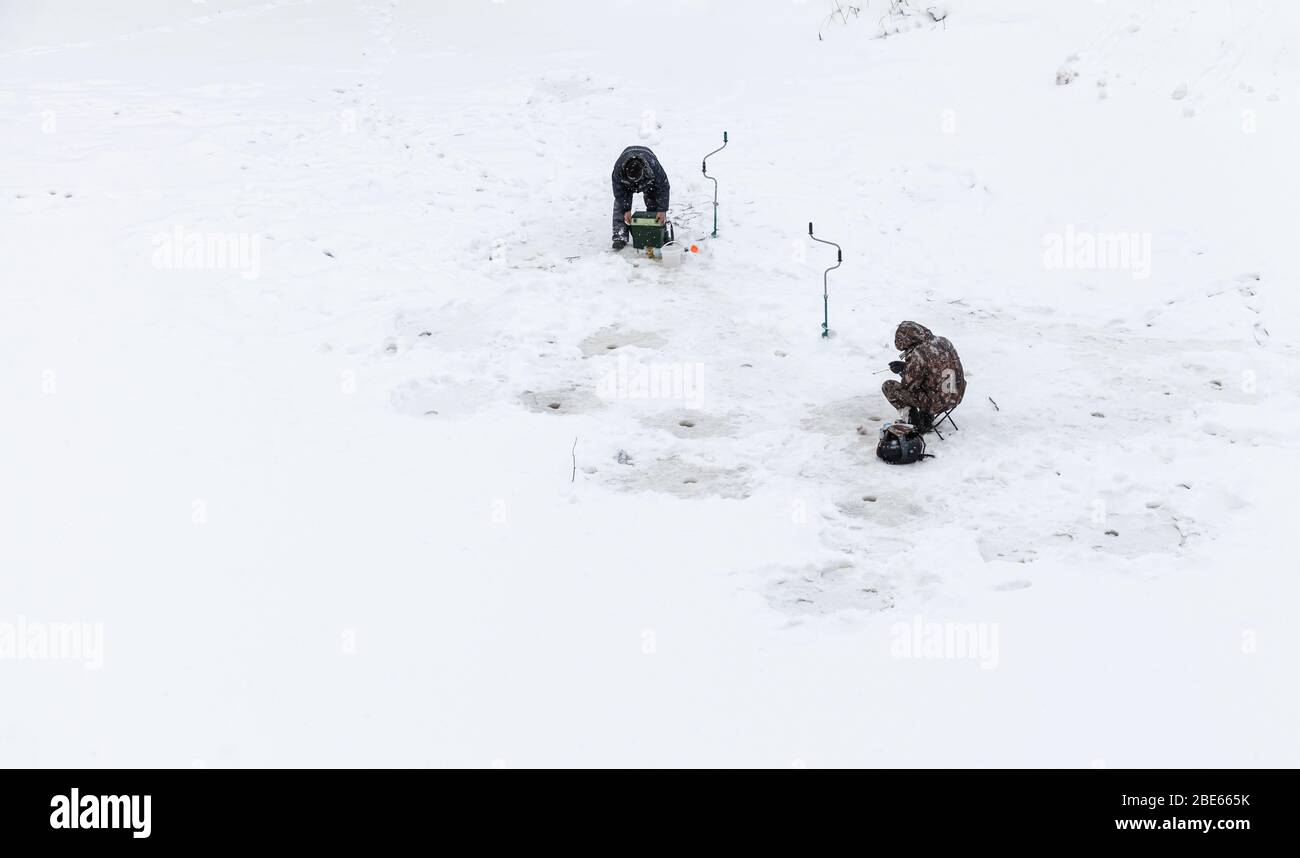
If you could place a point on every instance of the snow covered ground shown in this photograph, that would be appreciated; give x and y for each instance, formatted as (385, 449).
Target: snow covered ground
(303, 306)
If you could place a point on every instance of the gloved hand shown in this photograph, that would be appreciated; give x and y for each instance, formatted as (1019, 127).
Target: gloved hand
(896, 366)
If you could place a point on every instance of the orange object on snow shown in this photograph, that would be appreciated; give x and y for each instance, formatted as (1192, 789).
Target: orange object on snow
(695, 248)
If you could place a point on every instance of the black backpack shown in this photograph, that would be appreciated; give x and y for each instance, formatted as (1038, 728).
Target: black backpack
(901, 444)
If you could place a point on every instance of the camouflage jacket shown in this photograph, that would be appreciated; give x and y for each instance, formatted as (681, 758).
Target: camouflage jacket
(932, 370)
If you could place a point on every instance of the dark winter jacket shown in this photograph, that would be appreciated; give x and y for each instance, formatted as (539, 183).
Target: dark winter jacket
(932, 373)
(653, 183)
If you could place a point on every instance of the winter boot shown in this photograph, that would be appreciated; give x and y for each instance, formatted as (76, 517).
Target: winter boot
(922, 421)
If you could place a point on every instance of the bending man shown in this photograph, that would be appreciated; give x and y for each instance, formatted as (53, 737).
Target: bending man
(637, 171)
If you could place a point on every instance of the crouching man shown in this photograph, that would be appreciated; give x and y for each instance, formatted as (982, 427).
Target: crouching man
(931, 378)
(637, 171)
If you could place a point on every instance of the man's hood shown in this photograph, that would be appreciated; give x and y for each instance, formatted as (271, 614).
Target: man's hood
(910, 335)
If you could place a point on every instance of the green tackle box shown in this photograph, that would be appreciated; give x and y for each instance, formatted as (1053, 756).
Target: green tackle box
(647, 232)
